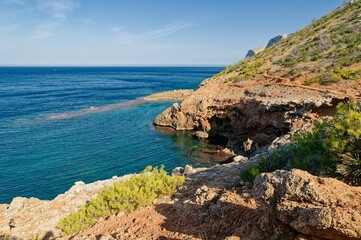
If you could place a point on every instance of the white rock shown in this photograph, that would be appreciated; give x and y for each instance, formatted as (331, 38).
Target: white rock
(189, 170)
(240, 158)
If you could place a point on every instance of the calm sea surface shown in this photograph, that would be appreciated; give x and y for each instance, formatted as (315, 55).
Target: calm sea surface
(46, 145)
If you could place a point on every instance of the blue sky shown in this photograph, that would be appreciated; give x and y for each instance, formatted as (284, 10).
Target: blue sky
(145, 32)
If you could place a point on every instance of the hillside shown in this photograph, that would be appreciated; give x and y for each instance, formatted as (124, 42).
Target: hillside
(296, 80)
(325, 52)
(257, 108)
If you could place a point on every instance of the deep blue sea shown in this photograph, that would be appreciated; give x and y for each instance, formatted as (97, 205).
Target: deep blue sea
(42, 154)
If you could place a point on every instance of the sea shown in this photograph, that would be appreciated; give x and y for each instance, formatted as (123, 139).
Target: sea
(59, 125)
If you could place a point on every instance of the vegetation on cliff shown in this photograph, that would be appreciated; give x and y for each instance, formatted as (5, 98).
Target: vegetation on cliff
(333, 149)
(138, 191)
(317, 54)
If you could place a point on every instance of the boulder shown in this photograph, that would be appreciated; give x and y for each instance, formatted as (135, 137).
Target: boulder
(313, 206)
(188, 170)
(200, 135)
(240, 158)
(178, 171)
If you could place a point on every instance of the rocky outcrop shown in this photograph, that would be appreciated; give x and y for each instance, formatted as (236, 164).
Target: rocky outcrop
(200, 135)
(173, 95)
(232, 113)
(271, 42)
(318, 208)
(31, 218)
(254, 51)
(276, 40)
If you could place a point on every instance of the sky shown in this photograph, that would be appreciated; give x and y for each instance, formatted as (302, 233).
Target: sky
(146, 32)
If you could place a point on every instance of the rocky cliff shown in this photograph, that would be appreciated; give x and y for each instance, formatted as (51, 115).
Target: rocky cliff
(295, 80)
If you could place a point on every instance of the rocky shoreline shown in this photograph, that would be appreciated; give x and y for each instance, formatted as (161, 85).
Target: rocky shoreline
(25, 217)
(290, 205)
(173, 95)
(253, 108)
(32, 218)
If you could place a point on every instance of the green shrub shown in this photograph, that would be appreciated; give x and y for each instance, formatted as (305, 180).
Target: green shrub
(344, 141)
(250, 173)
(332, 150)
(251, 70)
(336, 75)
(138, 191)
(305, 152)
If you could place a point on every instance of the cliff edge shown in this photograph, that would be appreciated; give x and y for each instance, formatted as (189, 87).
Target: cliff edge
(294, 81)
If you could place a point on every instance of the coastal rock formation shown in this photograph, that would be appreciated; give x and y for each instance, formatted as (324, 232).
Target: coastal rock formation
(200, 135)
(169, 95)
(231, 114)
(271, 42)
(31, 218)
(291, 83)
(324, 208)
(254, 51)
(276, 40)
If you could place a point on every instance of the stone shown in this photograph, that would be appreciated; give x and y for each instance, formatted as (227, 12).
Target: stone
(276, 40)
(225, 111)
(240, 158)
(318, 207)
(254, 51)
(200, 135)
(178, 171)
(120, 214)
(247, 145)
(106, 237)
(25, 217)
(189, 170)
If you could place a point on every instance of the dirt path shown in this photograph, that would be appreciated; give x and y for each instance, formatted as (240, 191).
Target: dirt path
(286, 82)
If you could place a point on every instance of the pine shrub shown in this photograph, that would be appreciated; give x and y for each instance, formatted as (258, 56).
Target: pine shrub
(138, 191)
(333, 149)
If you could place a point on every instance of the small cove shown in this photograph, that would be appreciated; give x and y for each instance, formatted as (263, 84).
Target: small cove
(43, 158)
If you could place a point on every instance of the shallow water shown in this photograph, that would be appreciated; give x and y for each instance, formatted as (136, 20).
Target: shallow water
(43, 151)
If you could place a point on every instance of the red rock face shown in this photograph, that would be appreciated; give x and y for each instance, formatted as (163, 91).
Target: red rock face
(241, 111)
(316, 207)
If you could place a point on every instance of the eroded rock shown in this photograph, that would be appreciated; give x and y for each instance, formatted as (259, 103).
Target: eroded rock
(319, 207)
(200, 135)
(232, 115)
(31, 218)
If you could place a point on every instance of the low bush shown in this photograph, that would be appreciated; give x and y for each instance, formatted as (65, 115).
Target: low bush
(335, 76)
(138, 191)
(333, 149)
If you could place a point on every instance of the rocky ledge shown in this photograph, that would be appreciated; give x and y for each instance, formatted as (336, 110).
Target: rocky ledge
(32, 218)
(213, 204)
(233, 113)
(320, 208)
(173, 95)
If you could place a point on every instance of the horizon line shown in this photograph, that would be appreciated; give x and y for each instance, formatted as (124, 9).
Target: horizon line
(180, 65)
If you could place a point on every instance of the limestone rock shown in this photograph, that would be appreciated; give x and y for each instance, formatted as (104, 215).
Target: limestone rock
(317, 207)
(200, 135)
(178, 171)
(276, 40)
(189, 170)
(240, 158)
(254, 51)
(227, 112)
(31, 218)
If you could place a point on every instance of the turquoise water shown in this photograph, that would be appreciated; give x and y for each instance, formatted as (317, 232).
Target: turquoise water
(42, 156)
